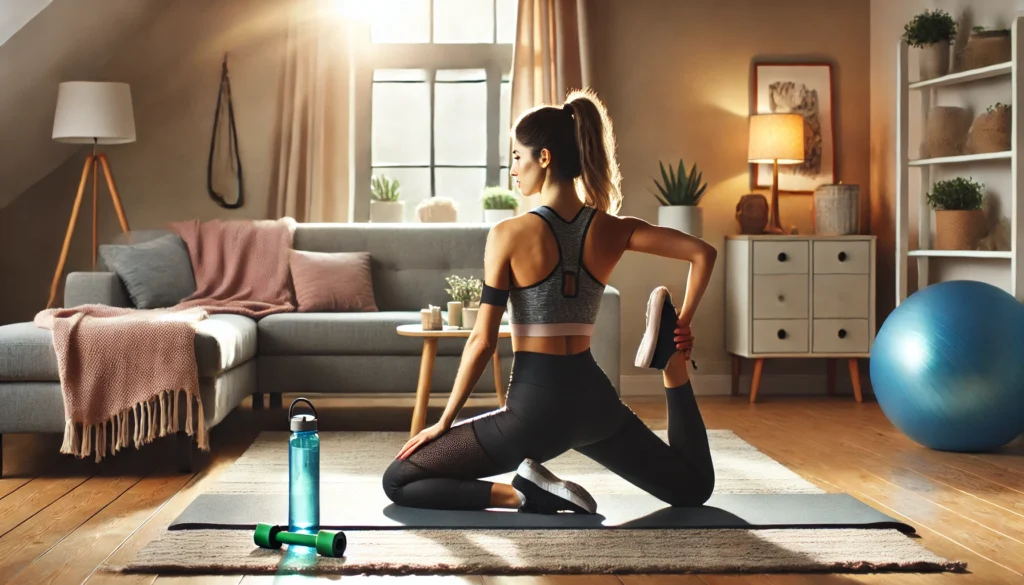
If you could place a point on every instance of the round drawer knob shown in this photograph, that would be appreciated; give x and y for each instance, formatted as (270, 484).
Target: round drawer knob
(782, 298)
(842, 334)
(782, 256)
(782, 333)
(842, 256)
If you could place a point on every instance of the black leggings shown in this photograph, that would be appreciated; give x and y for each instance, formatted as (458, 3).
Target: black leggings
(554, 404)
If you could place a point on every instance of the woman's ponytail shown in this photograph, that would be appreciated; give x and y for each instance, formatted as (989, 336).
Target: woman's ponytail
(600, 178)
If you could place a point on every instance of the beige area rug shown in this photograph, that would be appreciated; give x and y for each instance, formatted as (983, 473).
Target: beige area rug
(352, 463)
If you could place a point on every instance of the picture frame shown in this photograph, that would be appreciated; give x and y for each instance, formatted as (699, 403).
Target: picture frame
(805, 88)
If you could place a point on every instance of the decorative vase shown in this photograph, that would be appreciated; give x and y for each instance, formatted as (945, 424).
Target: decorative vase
(946, 131)
(933, 60)
(496, 215)
(685, 218)
(455, 313)
(387, 211)
(437, 210)
(990, 132)
(959, 229)
(837, 210)
(984, 48)
(469, 317)
(752, 213)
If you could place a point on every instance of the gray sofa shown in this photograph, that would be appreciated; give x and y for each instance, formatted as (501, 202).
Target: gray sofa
(296, 352)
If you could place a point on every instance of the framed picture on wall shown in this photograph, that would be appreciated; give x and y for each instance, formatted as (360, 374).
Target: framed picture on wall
(806, 89)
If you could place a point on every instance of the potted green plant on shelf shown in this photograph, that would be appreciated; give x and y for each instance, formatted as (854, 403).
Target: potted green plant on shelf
(384, 204)
(680, 197)
(499, 203)
(931, 32)
(959, 218)
(465, 293)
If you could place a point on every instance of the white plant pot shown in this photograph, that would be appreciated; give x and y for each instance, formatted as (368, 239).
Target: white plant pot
(454, 314)
(933, 60)
(387, 211)
(496, 215)
(469, 317)
(685, 218)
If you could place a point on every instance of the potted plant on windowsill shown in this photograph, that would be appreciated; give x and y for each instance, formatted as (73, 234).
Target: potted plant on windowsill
(680, 197)
(959, 218)
(465, 293)
(499, 203)
(932, 33)
(384, 204)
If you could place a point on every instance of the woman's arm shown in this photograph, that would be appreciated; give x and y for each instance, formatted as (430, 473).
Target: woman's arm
(483, 340)
(670, 243)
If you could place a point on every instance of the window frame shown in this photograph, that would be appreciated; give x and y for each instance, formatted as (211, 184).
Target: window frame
(495, 59)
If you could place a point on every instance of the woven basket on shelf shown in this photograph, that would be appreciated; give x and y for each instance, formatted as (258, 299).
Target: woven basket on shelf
(985, 48)
(959, 229)
(990, 132)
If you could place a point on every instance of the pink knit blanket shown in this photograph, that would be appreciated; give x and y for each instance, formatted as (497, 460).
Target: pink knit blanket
(124, 371)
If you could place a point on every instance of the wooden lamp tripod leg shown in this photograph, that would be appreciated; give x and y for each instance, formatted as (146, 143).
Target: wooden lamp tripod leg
(89, 161)
(121, 217)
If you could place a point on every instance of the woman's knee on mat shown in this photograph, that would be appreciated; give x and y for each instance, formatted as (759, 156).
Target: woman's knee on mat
(398, 475)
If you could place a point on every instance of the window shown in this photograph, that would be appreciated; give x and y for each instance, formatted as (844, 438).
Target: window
(435, 77)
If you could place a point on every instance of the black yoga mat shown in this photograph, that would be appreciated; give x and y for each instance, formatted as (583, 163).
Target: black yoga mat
(749, 511)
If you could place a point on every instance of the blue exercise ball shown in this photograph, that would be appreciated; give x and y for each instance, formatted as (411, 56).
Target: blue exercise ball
(947, 367)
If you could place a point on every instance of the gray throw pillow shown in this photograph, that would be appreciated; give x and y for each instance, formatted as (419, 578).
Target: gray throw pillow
(156, 273)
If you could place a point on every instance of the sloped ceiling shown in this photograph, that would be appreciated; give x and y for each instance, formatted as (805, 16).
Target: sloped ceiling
(65, 40)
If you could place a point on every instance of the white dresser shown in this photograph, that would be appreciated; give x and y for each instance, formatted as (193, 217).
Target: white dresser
(799, 297)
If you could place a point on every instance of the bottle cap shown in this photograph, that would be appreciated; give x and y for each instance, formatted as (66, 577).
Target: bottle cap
(302, 422)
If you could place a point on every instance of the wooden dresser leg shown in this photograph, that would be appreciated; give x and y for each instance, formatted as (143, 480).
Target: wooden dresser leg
(735, 375)
(855, 379)
(830, 376)
(756, 381)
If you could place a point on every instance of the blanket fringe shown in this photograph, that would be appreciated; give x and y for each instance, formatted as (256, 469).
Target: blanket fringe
(138, 424)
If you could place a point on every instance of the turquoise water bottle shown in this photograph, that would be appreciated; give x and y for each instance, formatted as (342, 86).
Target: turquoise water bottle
(303, 471)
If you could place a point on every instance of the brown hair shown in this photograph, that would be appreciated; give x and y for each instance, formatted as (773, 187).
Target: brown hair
(582, 144)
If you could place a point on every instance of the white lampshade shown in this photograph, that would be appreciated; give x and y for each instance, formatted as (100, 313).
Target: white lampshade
(776, 137)
(97, 111)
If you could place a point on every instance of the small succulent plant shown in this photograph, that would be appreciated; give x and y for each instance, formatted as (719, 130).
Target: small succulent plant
(680, 188)
(383, 188)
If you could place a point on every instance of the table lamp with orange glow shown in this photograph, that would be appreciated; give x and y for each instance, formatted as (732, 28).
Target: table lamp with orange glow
(777, 139)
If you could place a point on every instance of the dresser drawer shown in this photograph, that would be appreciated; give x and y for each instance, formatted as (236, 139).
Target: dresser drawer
(840, 336)
(781, 336)
(842, 257)
(783, 257)
(781, 296)
(842, 296)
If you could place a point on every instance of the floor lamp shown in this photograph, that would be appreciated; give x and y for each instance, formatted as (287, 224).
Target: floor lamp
(776, 139)
(92, 112)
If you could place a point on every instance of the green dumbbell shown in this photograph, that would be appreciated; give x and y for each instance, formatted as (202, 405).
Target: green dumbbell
(326, 542)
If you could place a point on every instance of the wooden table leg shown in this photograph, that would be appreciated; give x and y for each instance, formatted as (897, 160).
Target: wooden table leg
(755, 383)
(735, 375)
(419, 413)
(499, 388)
(855, 379)
(830, 376)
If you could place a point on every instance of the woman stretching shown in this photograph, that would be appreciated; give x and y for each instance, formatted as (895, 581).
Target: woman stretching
(550, 267)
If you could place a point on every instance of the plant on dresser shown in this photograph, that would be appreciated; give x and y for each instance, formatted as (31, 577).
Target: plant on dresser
(800, 297)
(680, 199)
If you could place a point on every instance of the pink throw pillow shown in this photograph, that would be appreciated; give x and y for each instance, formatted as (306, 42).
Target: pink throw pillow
(332, 282)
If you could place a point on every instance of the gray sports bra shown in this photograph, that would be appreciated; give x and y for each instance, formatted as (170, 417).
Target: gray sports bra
(566, 302)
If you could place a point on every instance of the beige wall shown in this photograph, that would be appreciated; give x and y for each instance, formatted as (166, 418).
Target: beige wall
(887, 21)
(173, 65)
(676, 77)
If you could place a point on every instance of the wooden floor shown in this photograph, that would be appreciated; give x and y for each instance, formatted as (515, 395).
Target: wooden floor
(61, 518)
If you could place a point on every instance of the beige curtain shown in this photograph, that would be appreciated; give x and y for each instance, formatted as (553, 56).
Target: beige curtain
(550, 54)
(310, 181)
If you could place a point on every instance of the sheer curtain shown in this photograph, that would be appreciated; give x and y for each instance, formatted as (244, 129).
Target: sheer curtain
(550, 55)
(310, 180)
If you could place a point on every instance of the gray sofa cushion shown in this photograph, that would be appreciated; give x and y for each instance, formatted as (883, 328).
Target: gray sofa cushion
(409, 264)
(348, 334)
(156, 273)
(222, 343)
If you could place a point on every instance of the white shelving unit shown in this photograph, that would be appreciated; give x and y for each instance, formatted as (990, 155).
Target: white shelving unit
(929, 91)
